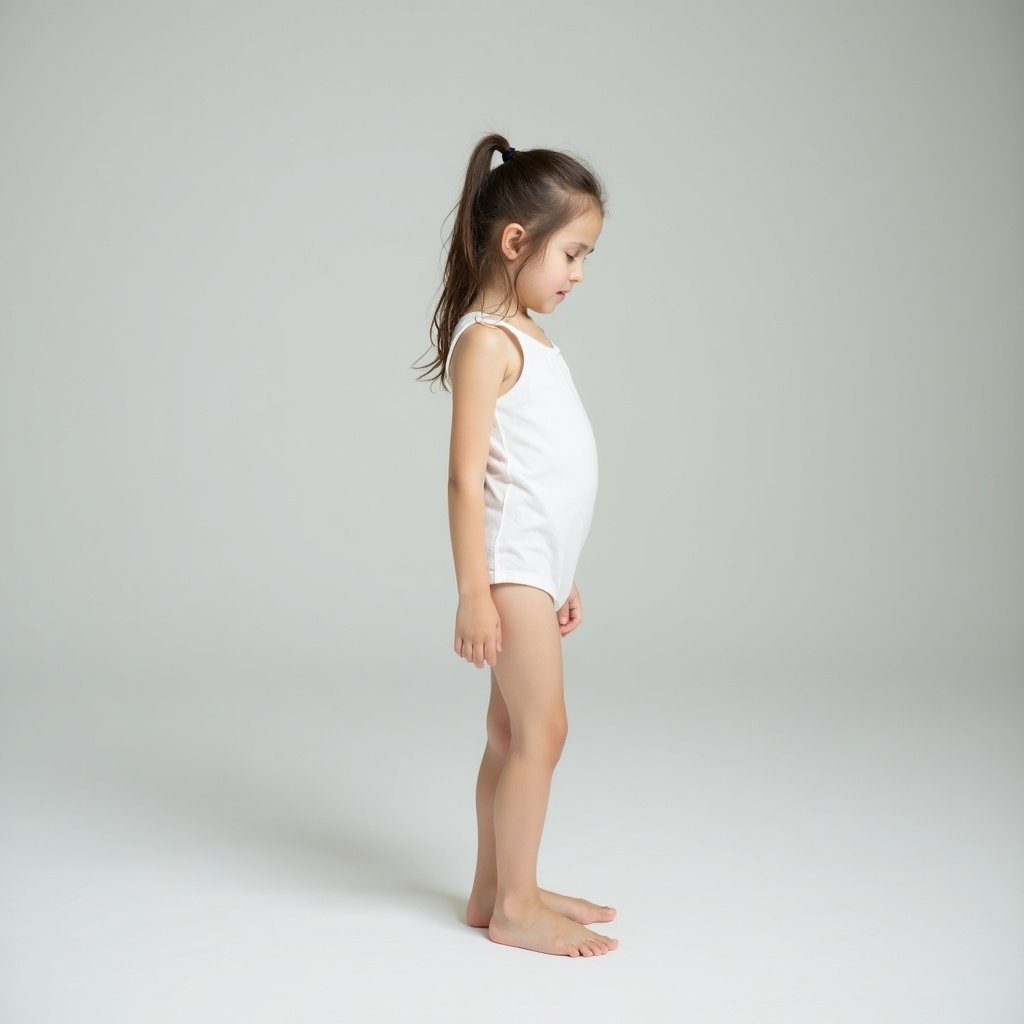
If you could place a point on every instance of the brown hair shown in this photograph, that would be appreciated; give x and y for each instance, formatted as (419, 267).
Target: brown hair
(542, 189)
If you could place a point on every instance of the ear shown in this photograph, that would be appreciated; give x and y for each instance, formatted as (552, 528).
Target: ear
(512, 237)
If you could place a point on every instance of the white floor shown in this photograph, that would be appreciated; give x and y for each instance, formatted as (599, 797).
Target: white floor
(261, 851)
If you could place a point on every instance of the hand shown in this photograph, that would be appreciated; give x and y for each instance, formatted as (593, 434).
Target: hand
(570, 615)
(478, 630)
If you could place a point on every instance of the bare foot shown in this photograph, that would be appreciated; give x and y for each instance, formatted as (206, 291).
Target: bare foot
(576, 909)
(547, 931)
(481, 907)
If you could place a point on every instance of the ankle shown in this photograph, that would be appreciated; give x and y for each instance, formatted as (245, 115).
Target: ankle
(519, 904)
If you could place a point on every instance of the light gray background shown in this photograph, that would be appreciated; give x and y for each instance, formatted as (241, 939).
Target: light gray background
(238, 750)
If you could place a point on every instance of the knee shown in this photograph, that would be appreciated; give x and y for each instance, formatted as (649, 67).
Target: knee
(499, 735)
(557, 733)
(544, 740)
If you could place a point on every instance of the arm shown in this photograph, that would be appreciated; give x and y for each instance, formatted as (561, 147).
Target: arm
(477, 369)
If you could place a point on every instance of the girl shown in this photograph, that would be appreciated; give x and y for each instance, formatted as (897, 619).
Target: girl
(522, 480)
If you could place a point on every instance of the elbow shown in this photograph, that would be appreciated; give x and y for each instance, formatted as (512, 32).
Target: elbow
(461, 481)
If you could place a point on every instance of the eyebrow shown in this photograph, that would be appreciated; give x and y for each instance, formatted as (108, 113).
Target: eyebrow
(580, 243)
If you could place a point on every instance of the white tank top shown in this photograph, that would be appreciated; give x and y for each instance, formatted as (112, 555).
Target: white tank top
(540, 482)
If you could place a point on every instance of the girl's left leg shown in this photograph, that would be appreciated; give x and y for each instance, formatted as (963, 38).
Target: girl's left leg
(485, 882)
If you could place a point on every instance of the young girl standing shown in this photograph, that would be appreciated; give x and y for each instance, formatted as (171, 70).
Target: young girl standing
(522, 480)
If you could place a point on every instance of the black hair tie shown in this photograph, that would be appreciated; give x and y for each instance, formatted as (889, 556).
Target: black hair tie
(506, 154)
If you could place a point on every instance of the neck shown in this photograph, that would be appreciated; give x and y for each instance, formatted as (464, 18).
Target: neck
(493, 302)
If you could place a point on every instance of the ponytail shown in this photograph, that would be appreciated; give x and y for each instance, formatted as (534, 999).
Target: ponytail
(541, 189)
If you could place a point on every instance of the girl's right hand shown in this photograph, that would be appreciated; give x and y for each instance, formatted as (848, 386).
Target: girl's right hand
(478, 630)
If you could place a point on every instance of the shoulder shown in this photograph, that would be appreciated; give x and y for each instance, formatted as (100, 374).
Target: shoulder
(481, 353)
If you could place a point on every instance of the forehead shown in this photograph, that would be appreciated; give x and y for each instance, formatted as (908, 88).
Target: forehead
(583, 230)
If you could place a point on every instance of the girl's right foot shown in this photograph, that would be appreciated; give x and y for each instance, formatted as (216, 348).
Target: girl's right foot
(542, 929)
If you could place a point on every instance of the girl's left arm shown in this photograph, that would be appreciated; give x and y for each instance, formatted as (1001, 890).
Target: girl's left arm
(570, 615)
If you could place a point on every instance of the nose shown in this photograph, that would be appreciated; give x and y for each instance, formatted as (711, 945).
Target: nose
(577, 273)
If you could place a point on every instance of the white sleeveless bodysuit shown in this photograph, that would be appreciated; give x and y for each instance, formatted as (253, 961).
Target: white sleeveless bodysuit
(540, 482)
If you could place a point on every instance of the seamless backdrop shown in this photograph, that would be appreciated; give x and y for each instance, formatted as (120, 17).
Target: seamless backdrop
(238, 750)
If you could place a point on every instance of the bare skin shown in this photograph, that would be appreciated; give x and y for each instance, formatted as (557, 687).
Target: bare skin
(512, 628)
(485, 885)
(526, 728)
(481, 907)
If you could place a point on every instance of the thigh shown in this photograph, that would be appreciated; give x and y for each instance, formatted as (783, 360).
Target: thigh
(528, 669)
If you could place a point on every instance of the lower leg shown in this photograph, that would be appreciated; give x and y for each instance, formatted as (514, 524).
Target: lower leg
(486, 878)
(521, 917)
(480, 906)
(520, 806)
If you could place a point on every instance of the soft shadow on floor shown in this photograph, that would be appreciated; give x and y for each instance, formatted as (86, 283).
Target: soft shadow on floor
(225, 810)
